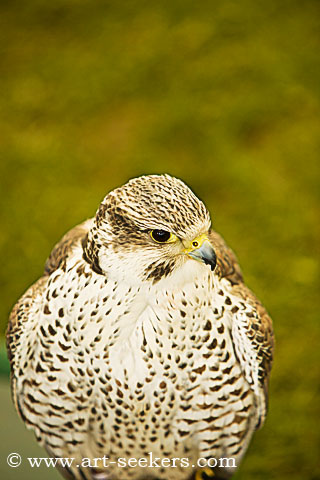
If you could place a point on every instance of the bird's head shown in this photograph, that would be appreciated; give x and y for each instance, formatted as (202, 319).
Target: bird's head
(149, 228)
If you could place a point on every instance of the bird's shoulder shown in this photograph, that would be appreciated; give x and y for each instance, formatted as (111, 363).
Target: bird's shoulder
(64, 249)
(61, 252)
(228, 268)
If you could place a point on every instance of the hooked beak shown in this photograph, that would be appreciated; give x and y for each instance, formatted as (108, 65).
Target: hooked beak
(204, 252)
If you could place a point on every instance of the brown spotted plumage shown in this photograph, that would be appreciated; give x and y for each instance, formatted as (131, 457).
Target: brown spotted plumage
(141, 337)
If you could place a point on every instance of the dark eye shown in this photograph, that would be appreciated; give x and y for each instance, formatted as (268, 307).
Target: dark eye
(160, 236)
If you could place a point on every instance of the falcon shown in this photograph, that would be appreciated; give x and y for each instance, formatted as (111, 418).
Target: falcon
(140, 353)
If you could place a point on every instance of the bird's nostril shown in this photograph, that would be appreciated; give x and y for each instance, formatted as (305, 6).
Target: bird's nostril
(195, 244)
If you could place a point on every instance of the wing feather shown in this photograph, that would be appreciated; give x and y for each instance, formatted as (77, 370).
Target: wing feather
(252, 331)
(18, 317)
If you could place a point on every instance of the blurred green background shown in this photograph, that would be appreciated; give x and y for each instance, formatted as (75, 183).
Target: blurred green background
(225, 95)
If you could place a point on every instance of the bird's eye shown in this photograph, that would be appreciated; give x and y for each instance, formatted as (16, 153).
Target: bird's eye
(161, 236)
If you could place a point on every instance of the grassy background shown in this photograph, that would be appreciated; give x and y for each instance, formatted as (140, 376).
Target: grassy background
(224, 94)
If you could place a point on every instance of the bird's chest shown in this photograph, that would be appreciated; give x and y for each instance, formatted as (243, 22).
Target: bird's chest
(157, 361)
(158, 336)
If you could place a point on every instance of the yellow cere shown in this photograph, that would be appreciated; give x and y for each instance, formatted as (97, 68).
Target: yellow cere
(196, 243)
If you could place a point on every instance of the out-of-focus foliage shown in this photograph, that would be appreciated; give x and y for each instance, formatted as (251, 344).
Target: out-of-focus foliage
(225, 95)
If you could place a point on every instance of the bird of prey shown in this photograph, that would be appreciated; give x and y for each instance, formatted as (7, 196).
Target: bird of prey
(142, 341)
